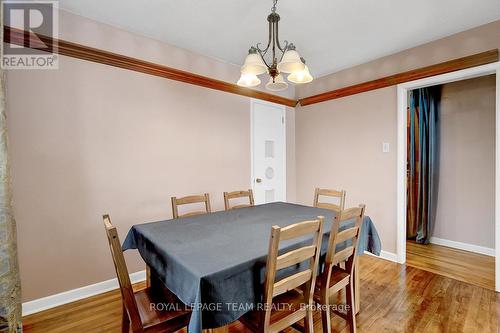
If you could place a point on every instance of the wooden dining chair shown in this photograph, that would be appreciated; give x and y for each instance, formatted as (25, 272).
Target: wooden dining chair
(137, 310)
(191, 199)
(295, 290)
(235, 195)
(329, 193)
(335, 278)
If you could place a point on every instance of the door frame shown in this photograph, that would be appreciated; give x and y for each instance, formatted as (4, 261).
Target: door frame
(254, 102)
(469, 73)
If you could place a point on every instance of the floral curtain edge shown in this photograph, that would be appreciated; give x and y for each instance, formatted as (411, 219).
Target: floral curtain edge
(10, 286)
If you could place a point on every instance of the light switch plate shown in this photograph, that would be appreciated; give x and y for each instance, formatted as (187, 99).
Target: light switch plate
(386, 147)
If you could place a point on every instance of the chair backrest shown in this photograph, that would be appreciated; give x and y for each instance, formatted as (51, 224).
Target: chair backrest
(275, 262)
(191, 199)
(122, 274)
(238, 194)
(338, 234)
(329, 193)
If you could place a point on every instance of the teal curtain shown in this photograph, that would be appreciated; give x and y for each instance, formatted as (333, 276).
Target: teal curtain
(423, 162)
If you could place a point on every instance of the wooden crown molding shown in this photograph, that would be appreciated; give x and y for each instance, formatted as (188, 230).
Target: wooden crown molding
(74, 50)
(441, 68)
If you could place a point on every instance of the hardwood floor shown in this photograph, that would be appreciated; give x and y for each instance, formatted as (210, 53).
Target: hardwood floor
(394, 298)
(473, 268)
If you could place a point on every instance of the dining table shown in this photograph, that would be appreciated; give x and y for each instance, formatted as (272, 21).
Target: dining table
(215, 263)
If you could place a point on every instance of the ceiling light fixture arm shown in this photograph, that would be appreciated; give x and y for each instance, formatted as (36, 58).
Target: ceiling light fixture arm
(273, 43)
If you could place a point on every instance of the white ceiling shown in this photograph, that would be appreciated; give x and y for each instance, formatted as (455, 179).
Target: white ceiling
(330, 34)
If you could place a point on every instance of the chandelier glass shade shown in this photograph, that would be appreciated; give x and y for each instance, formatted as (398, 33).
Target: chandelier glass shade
(253, 64)
(291, 62)
(275, 59)
(299, 77)
(276, 83)
(248, 80)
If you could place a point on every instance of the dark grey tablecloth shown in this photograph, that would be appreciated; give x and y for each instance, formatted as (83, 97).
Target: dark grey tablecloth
(218, 260)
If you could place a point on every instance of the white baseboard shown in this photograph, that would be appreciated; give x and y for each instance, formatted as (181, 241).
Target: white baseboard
(463, 246)
(385, 255)
(73, 295)
(69, 296)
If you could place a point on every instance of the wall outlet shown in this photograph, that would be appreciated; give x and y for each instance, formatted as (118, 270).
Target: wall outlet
(386, 147)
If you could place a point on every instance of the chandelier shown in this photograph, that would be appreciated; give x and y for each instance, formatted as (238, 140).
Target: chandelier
(284, 59)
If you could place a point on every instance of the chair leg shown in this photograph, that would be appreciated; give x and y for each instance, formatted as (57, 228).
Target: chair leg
(309, 321)
(325, 314)
(351, 311)
(125, 321)
(148, 276)
(356, 284)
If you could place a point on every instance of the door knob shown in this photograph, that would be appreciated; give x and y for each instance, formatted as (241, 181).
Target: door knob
(258, 180)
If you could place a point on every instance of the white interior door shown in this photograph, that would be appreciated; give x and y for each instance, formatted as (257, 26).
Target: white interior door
(268, 152)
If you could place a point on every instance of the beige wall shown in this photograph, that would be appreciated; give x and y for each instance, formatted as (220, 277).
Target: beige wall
(101, 140)
(466, 199)
(89, 139)
(326, 158)
(291, 172)
(339, 145)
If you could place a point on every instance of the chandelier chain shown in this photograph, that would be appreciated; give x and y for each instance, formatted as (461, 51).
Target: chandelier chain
(273, 8)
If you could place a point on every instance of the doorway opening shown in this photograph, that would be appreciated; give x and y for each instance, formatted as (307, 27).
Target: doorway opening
(447, 205)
